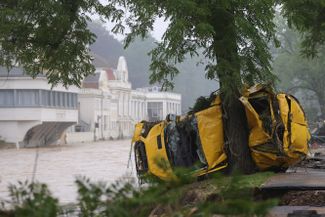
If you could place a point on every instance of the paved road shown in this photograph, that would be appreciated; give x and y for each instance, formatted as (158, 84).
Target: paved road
(59, 165)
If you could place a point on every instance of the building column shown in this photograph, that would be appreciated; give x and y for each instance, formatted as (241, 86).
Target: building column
(164, 114)
(129, 105)
(142, 110)
(168, 108)
(146, 110)
(136, 110)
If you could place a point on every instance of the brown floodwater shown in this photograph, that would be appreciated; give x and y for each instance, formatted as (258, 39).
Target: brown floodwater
(58, 166)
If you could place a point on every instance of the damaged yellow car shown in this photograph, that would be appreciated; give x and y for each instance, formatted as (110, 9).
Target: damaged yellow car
(278, 127)
(278, 136)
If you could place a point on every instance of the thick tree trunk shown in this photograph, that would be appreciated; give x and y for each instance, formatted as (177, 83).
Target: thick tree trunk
(228, 71)
(236, 138)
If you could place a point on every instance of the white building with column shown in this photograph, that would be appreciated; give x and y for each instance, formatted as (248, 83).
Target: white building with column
(32, 113)
(110, 108)
(159, 104)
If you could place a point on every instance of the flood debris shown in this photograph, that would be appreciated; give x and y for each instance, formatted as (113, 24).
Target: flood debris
(278, 136)
(318, 136)
(312, 163)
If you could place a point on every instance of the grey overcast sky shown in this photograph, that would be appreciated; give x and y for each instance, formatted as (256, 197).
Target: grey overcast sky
(159, 27)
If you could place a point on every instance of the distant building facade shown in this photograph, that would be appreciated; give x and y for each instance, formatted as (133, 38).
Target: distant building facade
(106, 107)
(31, 113)
(110, 108)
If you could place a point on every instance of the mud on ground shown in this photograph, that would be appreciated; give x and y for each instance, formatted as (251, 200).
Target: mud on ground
(303, 198)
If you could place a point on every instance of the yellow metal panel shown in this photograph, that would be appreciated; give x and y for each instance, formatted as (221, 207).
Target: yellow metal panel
(299, 129)
(157, 157)
(299, 138)
(298, 115)
(211, 134)
(251, 115)
(265, 160)
(283, 106)
(137, 132)
(257, 137)
(296, 134)
(257, 134)
(203, 171)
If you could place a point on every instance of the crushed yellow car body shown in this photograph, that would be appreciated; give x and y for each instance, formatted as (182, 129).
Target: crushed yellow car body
(278, 136)
(279, 133)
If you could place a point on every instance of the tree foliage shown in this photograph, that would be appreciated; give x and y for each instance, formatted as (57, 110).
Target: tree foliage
(31, 199)
(233, 35)
(50, 37)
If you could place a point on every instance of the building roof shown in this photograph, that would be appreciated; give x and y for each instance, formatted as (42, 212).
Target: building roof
(15, 72)
(92, 78)
(110, 74)
(150, 89)
(90, 85)
(91, 81)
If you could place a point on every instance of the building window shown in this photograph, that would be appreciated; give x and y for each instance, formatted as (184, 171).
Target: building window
(6, 98)
(155, 111)
(60, 99)
(50, 98)
(66, 100)
(75, 99)
(27, 98)
(43, 97)
(37, 98)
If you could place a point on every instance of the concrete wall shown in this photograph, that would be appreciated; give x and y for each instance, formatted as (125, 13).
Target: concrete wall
(29, 83)
(14, 131)
(78, 137)
(39, 114)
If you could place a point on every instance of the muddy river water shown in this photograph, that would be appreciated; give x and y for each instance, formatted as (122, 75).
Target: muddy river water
(58, 166)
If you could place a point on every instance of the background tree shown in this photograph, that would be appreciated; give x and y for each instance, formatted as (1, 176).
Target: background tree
(296, 74)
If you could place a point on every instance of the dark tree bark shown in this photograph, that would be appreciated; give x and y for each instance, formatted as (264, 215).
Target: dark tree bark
(236, 138)
(234, 117)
